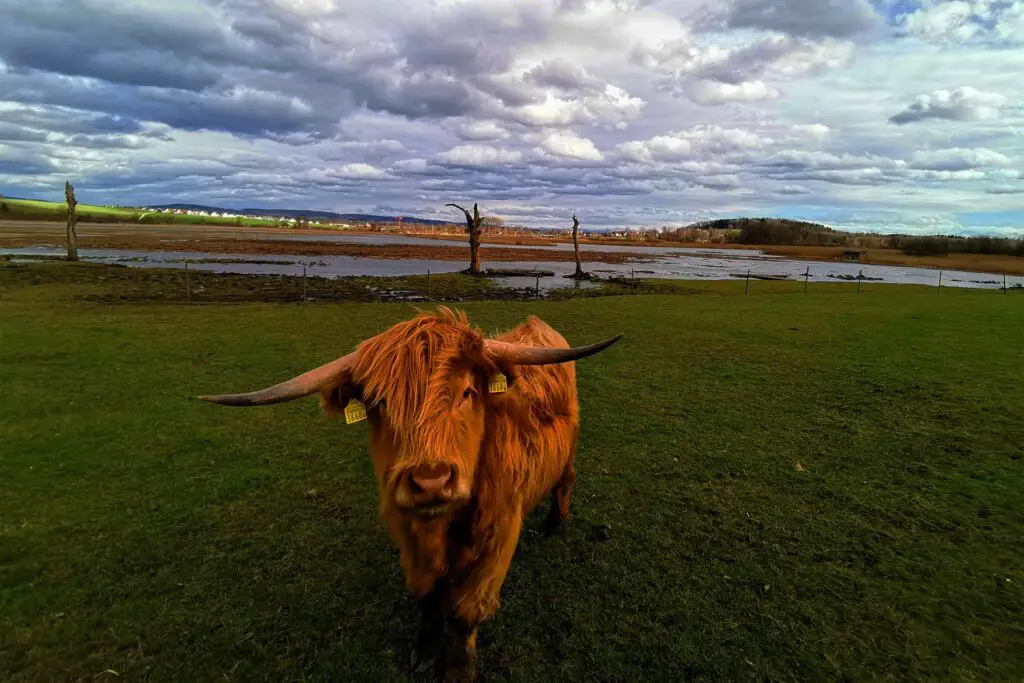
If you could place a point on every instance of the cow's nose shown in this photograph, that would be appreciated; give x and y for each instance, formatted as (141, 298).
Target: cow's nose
(431, 479)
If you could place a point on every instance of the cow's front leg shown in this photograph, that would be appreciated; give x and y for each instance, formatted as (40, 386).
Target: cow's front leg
(430, 639)
(475, 596)
(459, 664)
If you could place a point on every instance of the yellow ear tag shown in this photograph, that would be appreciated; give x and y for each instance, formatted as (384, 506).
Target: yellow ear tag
(355, 411)
(498, 384)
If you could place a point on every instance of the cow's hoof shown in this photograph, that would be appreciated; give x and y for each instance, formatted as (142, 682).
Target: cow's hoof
(461, 674)
(552, 526)
(426, 653)
(421, 662)
(427, 650)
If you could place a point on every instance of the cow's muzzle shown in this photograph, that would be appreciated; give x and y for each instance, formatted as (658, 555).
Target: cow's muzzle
(429, 489)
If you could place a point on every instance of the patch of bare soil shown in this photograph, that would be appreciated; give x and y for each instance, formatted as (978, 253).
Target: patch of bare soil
(269, 246)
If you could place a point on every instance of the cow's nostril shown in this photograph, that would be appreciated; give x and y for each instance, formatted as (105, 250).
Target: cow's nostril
(430, 479)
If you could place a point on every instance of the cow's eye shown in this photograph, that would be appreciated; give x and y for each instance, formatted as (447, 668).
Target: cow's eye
(468, 392)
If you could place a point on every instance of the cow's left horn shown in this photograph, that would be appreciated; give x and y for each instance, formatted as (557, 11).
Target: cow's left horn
(297, 387)
(520, 354)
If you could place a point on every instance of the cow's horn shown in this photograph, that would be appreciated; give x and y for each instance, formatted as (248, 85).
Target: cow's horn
(297, 387)
(521, 354)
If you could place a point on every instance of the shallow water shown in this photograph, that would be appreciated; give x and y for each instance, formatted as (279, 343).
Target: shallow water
(683, 264)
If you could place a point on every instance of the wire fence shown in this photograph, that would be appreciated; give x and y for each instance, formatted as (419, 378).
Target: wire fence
(526, 285)
(199, 283)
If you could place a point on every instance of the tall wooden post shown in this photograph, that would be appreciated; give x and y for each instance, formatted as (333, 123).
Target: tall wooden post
(576, 247)
(473, 223)
(72, 238)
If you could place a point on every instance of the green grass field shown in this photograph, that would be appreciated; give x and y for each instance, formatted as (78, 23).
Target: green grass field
(778, 487)
(31, 209)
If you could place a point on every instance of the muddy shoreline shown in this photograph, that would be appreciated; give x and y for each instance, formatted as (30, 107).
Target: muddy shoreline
(293, 247)
(496, 248)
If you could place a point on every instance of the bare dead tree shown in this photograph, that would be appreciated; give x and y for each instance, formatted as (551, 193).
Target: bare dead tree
(473, 225)
(576, 247)
(72, 239)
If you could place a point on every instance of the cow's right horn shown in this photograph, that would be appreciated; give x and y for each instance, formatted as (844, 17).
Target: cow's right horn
(297, 387)
(521, 354)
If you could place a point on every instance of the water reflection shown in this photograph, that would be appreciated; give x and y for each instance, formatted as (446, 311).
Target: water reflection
(689, 264)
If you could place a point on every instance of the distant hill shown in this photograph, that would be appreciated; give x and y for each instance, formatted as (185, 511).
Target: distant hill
(295, 213)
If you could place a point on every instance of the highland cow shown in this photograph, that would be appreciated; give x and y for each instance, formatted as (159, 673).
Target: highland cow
(468, 434)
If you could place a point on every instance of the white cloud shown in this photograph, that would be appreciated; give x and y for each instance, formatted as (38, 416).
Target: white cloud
(482, 131)
(813, 131)
(961, 21)
(571, 146)
(359, 171)
(611, 106)
(1010, 24)
(697, 142)
(958, 159)
(963, 104)
(714, 92)
(479, 155)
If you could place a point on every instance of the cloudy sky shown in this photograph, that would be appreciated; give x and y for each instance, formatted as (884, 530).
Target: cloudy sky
(903, 115)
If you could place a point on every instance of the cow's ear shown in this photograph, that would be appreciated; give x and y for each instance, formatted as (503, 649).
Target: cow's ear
(334, 398)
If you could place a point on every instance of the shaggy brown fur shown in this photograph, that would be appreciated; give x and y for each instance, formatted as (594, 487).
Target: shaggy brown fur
(425, 383)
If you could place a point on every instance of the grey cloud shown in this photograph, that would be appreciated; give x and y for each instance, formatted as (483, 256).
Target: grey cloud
(73, 121)
(869, 176)
(959, 159)
(251, 68)
(424, 94)
(16, 160)
(752, 60)
(465, 53)
(712, 75)
(808, 18)
(27, 167)
(155, 173)
(15, 133)
(512, 91)
(124, 43)
(241, 111)
(106, 141)
(963, 104)
(563, 75)
(481, 131)
(139, 68)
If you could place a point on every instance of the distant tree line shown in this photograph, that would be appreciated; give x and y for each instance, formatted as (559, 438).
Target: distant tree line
(781, 231)
(952, 244)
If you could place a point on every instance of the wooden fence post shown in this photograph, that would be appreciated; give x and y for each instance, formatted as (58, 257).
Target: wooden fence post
(72, 238)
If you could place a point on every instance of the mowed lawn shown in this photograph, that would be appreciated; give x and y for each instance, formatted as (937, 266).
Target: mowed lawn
(780, 487)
